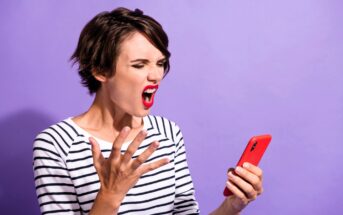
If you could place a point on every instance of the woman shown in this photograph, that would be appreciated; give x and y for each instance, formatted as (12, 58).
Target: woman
(115, 158)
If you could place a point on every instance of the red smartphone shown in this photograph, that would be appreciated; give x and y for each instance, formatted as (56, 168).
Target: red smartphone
(253, 153)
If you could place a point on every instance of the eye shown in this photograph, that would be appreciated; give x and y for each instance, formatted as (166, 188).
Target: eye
(161, 63)
(138, 66)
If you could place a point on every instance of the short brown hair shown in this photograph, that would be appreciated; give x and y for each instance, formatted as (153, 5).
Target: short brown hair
(99, 43)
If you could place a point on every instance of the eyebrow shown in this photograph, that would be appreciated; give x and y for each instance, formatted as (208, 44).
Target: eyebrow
(146, 60)
(139, 60)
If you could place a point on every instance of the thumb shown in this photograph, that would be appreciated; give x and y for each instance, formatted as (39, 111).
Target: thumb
(96, 152)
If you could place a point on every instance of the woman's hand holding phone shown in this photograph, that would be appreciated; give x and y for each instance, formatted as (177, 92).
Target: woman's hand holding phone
(244, 183)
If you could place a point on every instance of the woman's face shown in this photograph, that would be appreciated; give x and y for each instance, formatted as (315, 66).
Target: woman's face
(139, 71)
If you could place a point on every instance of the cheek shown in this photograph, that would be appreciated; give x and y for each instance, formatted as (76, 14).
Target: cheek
(125, 92)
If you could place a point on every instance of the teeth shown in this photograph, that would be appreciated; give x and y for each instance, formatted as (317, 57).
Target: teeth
(150, 90)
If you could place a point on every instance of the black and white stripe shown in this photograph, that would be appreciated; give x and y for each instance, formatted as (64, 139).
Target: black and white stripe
(67, 182)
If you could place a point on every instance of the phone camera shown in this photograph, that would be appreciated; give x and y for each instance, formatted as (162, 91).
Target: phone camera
(253, 146)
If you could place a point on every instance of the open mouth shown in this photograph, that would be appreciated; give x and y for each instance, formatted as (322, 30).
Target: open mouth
(148, 95)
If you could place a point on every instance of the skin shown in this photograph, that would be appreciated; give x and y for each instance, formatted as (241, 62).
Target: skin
(246, 185)
(116, 115)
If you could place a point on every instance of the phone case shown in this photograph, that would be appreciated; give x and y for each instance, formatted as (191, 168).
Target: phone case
(253, 153)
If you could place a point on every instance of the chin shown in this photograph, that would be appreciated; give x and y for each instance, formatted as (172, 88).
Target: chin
(142, 113)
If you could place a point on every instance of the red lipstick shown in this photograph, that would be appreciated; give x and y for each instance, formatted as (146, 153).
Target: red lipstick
(148, 95)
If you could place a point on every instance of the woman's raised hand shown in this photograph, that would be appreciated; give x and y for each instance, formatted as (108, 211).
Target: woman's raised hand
(120, 172)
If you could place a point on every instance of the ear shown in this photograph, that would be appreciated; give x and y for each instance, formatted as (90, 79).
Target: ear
(98, 76)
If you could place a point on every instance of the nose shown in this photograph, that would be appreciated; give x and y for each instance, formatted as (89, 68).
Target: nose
(156, 74)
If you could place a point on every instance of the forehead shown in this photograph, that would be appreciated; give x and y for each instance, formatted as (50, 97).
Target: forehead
(136, 46)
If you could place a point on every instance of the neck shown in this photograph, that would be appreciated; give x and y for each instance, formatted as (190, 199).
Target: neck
(107, 120)
(112, 116)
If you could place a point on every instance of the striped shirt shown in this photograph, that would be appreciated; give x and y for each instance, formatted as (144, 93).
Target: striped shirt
(66, 180)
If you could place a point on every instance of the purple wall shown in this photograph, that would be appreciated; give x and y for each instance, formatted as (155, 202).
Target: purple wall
(239, 68)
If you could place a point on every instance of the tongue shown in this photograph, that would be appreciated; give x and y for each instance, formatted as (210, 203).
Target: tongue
(147, 97)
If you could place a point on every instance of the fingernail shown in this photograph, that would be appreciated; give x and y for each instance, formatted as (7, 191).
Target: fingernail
(246, 165)
(156, 144)
(126, 129)
(239, 169)
(228, 183)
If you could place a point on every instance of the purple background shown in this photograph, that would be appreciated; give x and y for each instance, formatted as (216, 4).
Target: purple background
(239, 68)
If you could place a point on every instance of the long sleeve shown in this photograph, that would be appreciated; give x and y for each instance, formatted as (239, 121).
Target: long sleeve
(185, 202)
(55, 190)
